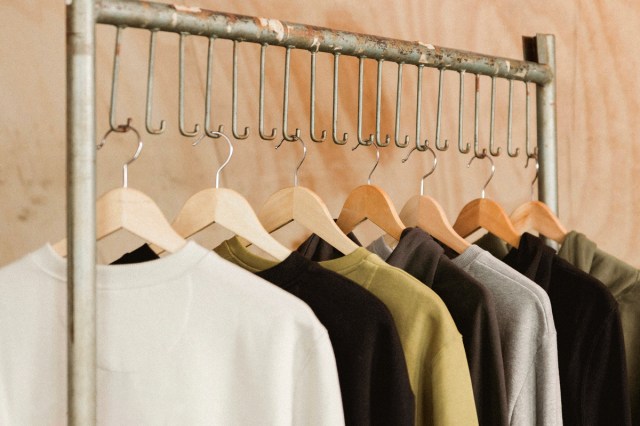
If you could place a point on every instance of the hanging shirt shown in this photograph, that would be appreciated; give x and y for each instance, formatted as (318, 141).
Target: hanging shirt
(527, 337)
(187, 339)
(472, 308)
(433, 347)
(371, 365)
(623, 281)
(374, 382)
(590, 343)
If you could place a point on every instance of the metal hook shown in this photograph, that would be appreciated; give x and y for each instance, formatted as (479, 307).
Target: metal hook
(509, 123)
(196, 128)
(399, 109)
(312, 107)
(234, 97)
(526, 115)
(493, 170)
(274, 131)
(334, 127)
(476, 130)
(378, 107)
(360, 88)
(419, 147)
(377, 160)
(207, 104)
(114, 86)
(285, 101)
(493, 118)
(304, 155)
(125, 166)
(152, 49)
(430, 172)
(535, 157)
(223, 165)
(461, 116)
(439, 114)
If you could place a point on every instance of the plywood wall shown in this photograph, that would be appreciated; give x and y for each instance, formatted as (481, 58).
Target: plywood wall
(599, 150)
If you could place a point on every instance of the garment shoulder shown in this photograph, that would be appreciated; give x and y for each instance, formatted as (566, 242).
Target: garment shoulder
(226, 283)
(26, 272)
(569, 275)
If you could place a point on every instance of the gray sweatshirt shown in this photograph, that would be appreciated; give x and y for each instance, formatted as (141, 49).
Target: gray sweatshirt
(528, 339)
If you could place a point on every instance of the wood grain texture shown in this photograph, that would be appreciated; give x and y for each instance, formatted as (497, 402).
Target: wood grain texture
(599, 157)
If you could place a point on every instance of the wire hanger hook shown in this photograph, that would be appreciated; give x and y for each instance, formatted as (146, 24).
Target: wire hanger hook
(493, 170)
(150, 79)
(125, 166)
(377, 160)
(223, 165)
(533, 156)
(304, 156)
(433, 167)
(120, 128)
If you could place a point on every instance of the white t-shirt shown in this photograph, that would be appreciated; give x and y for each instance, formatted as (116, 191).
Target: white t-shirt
(188, 339)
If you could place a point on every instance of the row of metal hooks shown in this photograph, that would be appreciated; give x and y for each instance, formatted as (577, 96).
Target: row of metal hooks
(375, 138)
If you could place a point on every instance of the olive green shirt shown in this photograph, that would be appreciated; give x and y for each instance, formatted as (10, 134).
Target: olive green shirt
(623, 280)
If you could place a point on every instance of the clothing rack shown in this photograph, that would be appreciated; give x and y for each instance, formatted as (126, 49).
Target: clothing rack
(82, 15)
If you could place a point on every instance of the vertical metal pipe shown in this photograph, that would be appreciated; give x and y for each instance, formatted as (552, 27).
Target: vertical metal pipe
(81, 212)
(546, 125)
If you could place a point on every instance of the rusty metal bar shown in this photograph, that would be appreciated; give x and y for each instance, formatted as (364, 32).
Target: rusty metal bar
(196, 21)
(81, 213)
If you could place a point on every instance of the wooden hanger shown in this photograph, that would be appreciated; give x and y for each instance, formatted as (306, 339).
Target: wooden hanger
(302, 205)
(426, 213)
(537, 215)
(370, 202)
(132, 210)
(485, 213)
(228, 208)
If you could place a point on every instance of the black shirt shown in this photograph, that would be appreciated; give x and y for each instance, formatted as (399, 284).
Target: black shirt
(591, 353)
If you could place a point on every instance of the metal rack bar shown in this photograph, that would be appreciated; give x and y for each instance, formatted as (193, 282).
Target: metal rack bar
(196, 21)
(547, 125)
(81, 212)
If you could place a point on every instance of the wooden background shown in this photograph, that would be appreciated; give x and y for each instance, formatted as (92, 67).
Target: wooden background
(598, 147)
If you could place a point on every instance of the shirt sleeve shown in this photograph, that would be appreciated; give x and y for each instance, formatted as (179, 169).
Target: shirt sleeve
(605, 393)
(317, 400)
